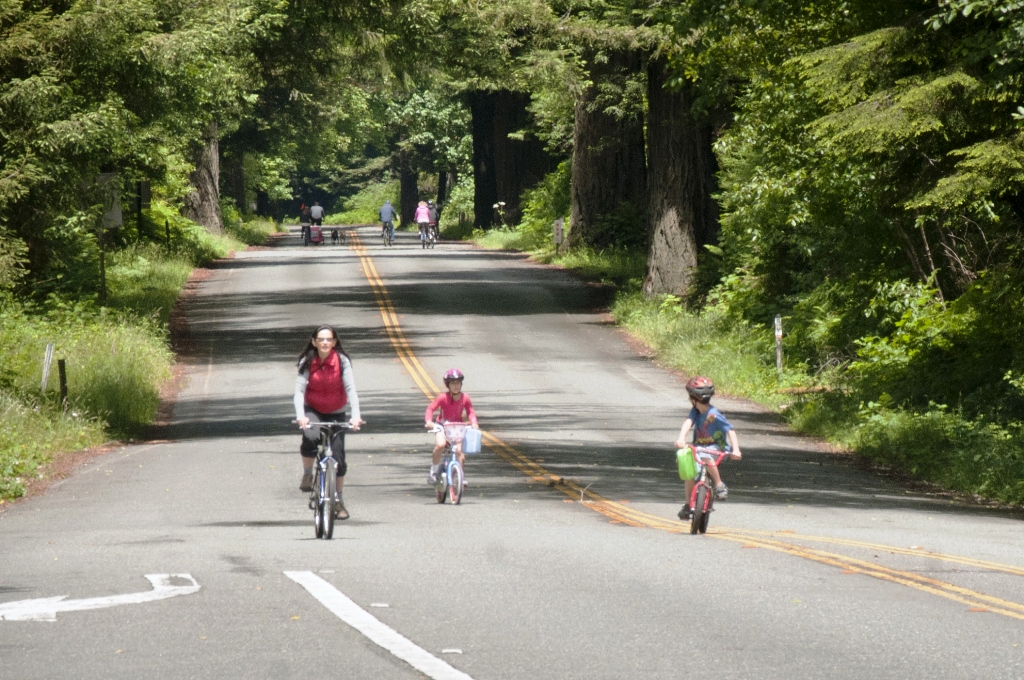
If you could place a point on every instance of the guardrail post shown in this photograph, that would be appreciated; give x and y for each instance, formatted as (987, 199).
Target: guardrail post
(62, 370)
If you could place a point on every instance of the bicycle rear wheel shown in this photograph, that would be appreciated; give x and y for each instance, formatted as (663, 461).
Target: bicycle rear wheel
(699, 513)
(330, 488)
(441, 487)
(455, 482)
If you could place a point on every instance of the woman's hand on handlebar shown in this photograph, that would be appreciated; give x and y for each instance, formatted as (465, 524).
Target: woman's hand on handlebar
(303, 422)
(356, 423)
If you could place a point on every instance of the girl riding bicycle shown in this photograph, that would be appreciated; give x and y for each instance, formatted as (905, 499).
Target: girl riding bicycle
(453, 404)
(710, 429)
(324, 388)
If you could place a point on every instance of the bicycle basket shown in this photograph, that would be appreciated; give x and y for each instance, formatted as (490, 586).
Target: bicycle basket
(687, 464)
(455, 432)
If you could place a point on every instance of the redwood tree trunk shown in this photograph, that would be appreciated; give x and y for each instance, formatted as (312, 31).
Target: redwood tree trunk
(503, 167)
(682, 216)
(609, 172)
(408, 187)
(202, 204)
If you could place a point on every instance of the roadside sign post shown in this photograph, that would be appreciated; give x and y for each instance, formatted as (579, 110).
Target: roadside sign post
(559, 227)
(778, 343)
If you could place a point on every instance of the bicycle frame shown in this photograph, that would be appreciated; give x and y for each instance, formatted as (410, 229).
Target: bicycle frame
(702, 496)
(325, 466)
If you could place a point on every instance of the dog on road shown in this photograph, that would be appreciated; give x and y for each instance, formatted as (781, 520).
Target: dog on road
(335, 236)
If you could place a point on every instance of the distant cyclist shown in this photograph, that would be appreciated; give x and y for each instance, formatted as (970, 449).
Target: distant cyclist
(387, 219)
(422, 219)
(433, 214)
(455, 407)
(316, 214)
(710, 429)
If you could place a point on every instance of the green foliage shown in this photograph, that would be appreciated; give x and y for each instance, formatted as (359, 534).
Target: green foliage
(252, 232)
(459, 204)
(364, 207)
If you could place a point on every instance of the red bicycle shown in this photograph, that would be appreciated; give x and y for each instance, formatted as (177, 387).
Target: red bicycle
(702, 498)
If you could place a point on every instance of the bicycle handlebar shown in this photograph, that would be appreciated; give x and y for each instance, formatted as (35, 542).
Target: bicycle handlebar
(342, 425)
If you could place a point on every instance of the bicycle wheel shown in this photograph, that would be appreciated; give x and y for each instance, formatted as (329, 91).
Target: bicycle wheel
(697, 516)
(330, 488)
(441, 488)
(703, 528)
(318, 517)
(455, 482)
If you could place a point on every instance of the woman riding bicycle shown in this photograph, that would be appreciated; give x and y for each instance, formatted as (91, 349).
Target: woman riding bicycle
(710, 429)
(324, 387)
(456, 407)
(423, 219)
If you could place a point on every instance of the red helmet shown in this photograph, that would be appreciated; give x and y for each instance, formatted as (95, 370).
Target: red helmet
(453, 374)
(701, 389)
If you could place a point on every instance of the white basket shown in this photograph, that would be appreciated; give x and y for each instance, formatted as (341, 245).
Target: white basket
(455, 432)
(472, 441)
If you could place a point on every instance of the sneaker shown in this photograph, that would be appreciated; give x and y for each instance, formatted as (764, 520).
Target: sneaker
(432, 478)
(339, 510)
(721, 493)
(684, 514)
(307, 482)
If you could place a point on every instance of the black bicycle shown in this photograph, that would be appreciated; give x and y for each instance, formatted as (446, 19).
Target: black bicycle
(323, 498)
(388, 234)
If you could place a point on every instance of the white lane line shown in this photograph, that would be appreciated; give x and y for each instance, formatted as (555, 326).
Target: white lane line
(352, 614)
(46, 608)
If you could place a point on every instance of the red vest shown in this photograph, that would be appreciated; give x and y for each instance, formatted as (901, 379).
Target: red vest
(325, 391)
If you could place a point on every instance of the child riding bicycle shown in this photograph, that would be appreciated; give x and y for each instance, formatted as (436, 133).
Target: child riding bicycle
(710, 429)
(453, 404)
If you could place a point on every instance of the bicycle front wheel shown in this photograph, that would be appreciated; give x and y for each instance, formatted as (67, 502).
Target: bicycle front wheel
(317, 503)
(455, 483)
(699, 513)
(330, 489)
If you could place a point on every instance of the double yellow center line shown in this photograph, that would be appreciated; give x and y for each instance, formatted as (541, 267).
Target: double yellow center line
(621, 513)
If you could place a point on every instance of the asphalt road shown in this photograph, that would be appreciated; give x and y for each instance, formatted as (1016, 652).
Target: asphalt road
(565, 559)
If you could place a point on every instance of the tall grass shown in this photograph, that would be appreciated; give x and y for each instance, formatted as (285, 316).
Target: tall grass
(117, 357)
(28, 436)
(735, 357)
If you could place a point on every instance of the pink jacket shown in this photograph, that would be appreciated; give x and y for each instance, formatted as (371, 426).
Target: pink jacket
(451, 410)
(422, 214)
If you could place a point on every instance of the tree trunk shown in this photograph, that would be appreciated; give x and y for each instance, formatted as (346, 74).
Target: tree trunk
(503, 167)
(202, 204)
(442, 186)
(409, 188)
(609, 173)
(485, 186)
(682, 215)
(232, 179)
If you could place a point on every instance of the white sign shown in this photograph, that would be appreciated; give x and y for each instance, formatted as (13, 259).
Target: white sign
(45, 609)
(778, 326)
(559, 226)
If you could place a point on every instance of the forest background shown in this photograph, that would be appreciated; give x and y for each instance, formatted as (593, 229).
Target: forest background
(853, 167)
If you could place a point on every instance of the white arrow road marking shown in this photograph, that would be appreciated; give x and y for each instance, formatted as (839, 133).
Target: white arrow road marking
(46, 608)
(357, 617)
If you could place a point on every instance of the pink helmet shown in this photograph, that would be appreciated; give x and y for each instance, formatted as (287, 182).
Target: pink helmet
(453, 374)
